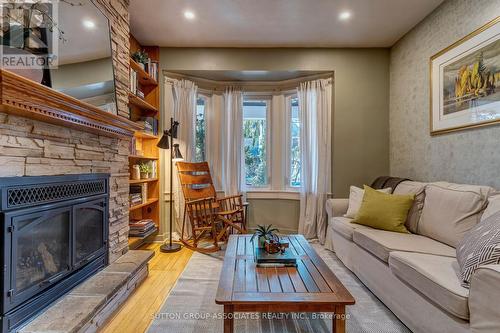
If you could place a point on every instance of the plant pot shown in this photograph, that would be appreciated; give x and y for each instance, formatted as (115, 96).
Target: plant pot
(136, 173)
(262, 241)
(144, 175)
(142, 66)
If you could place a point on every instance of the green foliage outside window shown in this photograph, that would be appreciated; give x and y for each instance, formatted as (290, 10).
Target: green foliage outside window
(254, 134)
(199, 145)
(295, 163)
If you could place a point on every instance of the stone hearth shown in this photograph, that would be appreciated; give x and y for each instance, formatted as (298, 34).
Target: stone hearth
(86, 308)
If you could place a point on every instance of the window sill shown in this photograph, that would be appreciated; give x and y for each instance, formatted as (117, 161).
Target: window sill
(270, 194)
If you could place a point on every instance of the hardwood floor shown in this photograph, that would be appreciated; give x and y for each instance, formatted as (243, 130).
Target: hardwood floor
(136, 314)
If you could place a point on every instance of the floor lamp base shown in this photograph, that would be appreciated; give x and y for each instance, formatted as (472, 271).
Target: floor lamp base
(169, 248)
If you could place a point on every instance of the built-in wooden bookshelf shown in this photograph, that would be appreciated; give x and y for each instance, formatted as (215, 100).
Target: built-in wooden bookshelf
(144, 102)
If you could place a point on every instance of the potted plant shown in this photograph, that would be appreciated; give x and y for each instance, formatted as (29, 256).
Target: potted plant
(264, 233)
(141, 57)
(145, 169)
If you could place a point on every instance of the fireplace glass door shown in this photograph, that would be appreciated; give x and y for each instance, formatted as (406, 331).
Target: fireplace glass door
(89, 231)
(40, 251)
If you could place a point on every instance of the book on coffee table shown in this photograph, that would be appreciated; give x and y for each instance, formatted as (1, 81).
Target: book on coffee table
(287, 258)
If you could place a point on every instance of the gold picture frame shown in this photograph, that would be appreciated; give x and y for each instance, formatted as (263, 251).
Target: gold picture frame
(464, 86)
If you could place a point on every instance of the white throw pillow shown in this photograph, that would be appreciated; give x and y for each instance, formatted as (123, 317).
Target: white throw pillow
(356, 198)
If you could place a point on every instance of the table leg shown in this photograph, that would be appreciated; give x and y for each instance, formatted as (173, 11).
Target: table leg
(228, 319)
(338, 320)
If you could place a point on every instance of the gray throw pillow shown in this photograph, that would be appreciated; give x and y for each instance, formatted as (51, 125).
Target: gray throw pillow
(480, 246)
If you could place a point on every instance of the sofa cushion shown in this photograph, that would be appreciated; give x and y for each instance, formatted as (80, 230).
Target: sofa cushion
(384, 211)
(381, 243)
(450, 210)
(418, 190)
(492, 208)
(435, 277)
(344, 227)
(356, 198)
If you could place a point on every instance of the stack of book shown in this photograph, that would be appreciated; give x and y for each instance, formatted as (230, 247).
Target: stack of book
(264, 259)
(138, 194)
(141, 228)
(150, 125)
(135, 199)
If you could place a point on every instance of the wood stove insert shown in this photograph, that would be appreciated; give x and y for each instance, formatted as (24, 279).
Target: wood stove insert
(54, 236)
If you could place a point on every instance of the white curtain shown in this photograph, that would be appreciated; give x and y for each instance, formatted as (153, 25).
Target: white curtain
(184, 111)
(315, 105)
(214, 120)
(232, 141)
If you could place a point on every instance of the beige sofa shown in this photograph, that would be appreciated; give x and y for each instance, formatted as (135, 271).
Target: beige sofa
(415, 274)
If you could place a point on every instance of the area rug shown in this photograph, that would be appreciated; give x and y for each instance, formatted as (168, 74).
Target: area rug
(190, 307)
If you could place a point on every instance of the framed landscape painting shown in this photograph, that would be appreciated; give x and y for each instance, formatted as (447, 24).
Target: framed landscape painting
(465, 82)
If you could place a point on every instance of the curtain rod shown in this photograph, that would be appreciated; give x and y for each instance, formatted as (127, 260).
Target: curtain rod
(209, 86)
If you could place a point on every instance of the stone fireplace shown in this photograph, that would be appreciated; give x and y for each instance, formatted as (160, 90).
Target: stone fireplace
(30, 147)
(40, 139)
(54, 236)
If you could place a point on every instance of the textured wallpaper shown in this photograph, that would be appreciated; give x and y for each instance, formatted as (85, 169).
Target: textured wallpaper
(470, 156)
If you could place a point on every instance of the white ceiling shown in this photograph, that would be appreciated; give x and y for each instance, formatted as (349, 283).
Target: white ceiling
(275, 23)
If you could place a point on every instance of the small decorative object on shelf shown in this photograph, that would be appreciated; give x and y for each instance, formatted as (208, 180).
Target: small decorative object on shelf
(145, 170)
(136, 172)
(264, 233)
(141, 57)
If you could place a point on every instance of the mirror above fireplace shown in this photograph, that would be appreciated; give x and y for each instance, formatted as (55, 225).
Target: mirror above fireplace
(85, 67)
(75, 35)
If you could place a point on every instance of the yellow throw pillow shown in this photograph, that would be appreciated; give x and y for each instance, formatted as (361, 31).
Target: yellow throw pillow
(384, 211)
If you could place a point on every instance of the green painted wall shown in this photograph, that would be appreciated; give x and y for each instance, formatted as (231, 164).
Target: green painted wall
(284, 214)
(360, 143)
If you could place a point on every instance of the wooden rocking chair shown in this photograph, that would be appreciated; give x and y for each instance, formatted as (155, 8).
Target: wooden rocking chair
(209, 216)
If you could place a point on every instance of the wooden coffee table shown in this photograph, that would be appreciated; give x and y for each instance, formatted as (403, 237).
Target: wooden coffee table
(309, 287)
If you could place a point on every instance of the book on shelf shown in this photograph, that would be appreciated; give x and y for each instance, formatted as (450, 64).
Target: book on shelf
(141, 228)
(133, 146)
(138, 194)
(152, 69)
(150, 125)
(154, 166)
(134, 84)
(263, 258)
(133, 81)
(135, 199)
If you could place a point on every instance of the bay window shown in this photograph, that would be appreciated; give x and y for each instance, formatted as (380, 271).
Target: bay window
(271, 143)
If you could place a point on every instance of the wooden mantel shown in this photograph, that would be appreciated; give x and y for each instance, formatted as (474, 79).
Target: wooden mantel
(26, 98)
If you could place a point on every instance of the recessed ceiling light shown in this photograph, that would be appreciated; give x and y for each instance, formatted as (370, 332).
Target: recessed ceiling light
(89, 24)
(345, 15)
(189, 15)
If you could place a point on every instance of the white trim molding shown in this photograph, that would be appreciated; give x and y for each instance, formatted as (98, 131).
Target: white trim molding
(273, 195)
